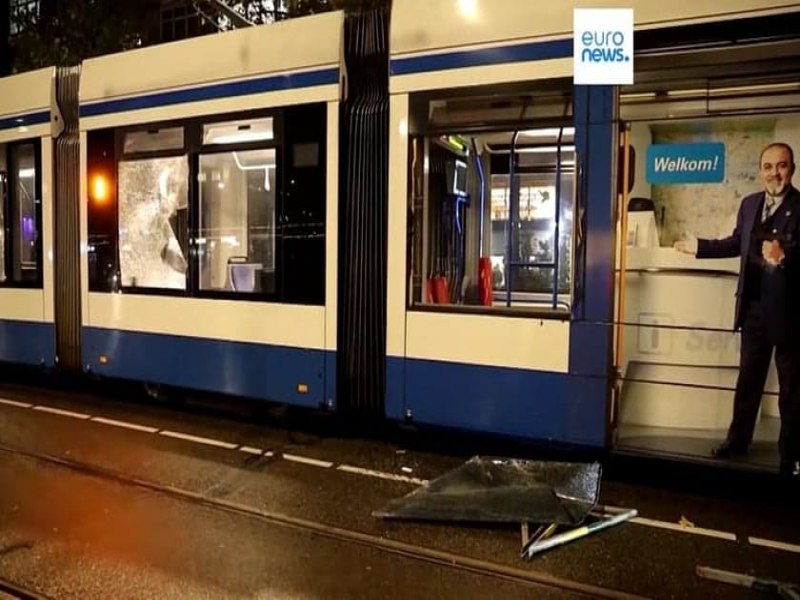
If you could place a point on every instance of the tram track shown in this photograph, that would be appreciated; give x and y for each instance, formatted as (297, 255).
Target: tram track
(15, 592)
(408, 550)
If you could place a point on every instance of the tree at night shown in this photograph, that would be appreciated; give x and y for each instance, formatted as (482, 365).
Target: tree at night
(64, 32)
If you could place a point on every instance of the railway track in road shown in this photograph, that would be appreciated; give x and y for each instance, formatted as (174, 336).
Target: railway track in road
(12, 591)
(413, 551)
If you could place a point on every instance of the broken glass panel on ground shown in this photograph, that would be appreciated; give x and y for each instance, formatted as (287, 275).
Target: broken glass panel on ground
(504, 490)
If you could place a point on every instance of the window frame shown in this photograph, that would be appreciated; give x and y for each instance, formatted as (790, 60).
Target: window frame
(11, 215)
(217, 149)
(119, 158)
(201, 149)
(193, 148)
(425, 133)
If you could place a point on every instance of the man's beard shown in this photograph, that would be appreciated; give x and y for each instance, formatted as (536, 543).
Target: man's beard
(776, 189)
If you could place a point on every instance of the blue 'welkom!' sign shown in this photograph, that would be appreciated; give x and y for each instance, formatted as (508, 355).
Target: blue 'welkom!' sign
(686, 163)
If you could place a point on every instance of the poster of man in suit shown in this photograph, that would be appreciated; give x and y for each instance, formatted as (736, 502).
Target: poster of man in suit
(765, 238)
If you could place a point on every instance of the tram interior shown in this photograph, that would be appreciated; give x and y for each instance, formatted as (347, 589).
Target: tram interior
(676, 353)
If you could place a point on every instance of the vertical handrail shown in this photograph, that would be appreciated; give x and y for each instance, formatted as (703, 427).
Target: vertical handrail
(558, 217)
(623, 246)
(483, 193)
(513, 201)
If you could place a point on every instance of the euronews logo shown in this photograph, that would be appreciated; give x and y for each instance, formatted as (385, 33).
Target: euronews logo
(603, 46)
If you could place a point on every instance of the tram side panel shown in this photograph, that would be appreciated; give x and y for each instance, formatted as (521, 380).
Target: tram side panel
(27, 328)
(467, 353)
(506, 344)
(206, 214)
(525, 370)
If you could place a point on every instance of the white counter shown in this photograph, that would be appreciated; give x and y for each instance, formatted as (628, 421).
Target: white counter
(679, 320)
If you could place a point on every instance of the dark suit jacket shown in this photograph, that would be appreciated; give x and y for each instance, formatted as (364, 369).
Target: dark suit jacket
(780, 287)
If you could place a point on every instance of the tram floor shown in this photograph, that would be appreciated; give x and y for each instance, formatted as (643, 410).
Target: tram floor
(697, 443)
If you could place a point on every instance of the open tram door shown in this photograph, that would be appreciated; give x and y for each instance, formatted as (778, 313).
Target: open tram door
(693, 128)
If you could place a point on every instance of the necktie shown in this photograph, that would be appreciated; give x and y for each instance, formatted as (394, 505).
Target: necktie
(769, 204)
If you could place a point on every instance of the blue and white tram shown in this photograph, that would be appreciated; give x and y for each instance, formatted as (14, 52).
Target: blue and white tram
(382, 215)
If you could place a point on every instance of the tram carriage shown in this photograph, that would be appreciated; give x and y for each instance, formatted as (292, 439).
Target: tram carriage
(378, 214)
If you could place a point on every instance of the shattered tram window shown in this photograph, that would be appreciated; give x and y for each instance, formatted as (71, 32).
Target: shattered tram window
(153, 207)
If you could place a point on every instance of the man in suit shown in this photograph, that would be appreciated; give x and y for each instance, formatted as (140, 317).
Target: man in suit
(766, 239)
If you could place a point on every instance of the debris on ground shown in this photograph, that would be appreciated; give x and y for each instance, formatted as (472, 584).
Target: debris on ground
(786, 591)
(549, 494)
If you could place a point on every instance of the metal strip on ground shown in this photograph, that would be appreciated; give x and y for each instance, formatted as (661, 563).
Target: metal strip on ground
(774, 545)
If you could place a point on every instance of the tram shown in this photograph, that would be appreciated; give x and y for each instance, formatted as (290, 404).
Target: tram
(375, 214)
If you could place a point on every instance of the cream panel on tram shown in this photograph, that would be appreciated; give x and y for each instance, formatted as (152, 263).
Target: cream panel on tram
(464, 42)
(396, 248)
(278, 324)
(472, 23)
(20, 304)
(522, 343)
(25, 105)
(305, 43)
(258, 67)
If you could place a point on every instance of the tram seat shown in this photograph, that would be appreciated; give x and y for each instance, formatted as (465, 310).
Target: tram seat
(242, 274)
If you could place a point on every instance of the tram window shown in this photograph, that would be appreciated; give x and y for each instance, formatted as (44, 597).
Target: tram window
(153, 222)
(301, 243)
(236, 241)
(153, 140)
(25, 224)
(473, 232)
(102, 212)
(20, 214)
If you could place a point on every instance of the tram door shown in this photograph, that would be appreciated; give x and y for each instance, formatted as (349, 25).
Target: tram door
(691, 144)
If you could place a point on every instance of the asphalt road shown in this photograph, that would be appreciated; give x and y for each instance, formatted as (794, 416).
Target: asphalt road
(69, 532)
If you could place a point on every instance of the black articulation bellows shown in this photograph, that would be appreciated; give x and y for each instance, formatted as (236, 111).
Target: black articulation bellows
(67, 223)
(363, 202)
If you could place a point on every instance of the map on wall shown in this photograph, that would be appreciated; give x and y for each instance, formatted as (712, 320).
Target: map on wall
(709, 209)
